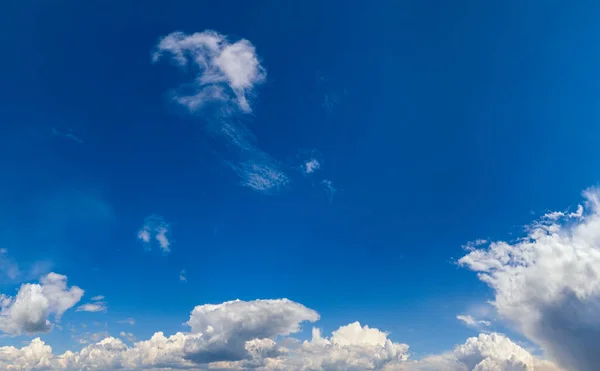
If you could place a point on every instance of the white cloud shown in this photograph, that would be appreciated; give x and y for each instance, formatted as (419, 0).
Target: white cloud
(98, 297)
(30, 310)
(262, 177)
(470, 321)
(226, 71)
(548, 283)
(311, 165)
(155, 227)
(127, 336)
(129, 321)
(240, 335)
(99, 306)
(329, 188)
(183, 275)
(68, 135)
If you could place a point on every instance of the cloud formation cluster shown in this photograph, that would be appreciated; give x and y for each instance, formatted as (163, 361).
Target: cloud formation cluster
(242, 335)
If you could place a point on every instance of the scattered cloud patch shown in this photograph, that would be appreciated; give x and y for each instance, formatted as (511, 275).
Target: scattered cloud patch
(155, 228)
(31, 309)
(329, 188)
(129, 321)
(183, 275)
(67, 135)
(261, 177)
(127, 336)
(98, 297)
(311, 166)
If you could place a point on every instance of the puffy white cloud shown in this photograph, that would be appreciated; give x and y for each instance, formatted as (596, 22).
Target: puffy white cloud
(548, 283)
(226, 327)
(29, 311)
(34, 356)
(155, 227)
(490, 352)
(226, 71)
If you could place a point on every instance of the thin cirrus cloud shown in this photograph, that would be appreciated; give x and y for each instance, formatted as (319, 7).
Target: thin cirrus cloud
(226, 76)
(329, 188)
(259, 334)
(472, 322)
(155, 229)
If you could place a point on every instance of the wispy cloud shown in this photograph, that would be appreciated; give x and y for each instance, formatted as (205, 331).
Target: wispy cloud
(262, 177)
(329, 188)
(67, 135)
(225, 71)
(183, 275)
(472, 322)
(155, 227)
(226, 75)
(311, 166)
(129, 321)
(99, 306)
(99, 297)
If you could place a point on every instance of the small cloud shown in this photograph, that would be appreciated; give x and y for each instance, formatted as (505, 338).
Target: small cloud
(127, 336)
(472, 322)
(262, 177)
(311, 166)
(329, 188)
(67, 135)
(129, 321)
(99, 306)
(183, 276)
(155, 226)
(99, 297)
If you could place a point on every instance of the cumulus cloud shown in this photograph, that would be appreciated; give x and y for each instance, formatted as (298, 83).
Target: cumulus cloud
(225, 71)
(241, 335)
(30, 310)
(548, 283)
(155, 228)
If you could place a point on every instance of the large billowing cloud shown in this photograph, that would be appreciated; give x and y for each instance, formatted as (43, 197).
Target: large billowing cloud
(30, 310)
(548, 283)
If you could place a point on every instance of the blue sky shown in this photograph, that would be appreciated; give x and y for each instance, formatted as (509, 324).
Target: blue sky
(338, 154)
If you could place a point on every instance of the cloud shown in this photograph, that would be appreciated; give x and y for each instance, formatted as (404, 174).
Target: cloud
(99, 306)
(99, 297)
(67, 135)
(183, 275)
(311, 165)
(329, 188)
(127, 336)
(262, 177)
(242, 335)
(547, 283)
(472, 322)
(226, 75)
(30, 310)
(225, 71)
(129, 321)
(155, 227)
